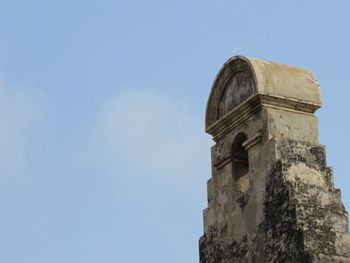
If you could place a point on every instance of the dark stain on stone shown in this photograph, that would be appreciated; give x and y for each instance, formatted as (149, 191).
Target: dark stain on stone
(242, 201)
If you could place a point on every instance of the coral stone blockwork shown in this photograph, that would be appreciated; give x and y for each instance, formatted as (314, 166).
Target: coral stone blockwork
(271, 197)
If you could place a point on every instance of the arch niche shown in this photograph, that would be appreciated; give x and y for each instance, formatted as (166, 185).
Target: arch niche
(240, 163)
(234, 84)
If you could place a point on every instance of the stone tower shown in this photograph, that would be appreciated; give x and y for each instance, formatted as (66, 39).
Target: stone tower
(271, 197)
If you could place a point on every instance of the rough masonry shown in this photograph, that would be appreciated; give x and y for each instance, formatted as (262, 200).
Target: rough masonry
(271, 197)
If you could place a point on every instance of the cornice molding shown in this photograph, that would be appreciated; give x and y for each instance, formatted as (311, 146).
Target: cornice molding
(253, 105)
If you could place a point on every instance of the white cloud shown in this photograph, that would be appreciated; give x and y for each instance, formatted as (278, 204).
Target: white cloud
(154, 133)
(21, 108)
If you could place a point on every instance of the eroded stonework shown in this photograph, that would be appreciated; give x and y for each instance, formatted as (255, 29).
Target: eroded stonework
(271, 197)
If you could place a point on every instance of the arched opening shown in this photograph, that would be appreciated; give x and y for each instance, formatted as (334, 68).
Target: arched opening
(240, 163)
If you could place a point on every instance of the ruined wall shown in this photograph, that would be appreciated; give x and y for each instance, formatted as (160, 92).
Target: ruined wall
(303, 219)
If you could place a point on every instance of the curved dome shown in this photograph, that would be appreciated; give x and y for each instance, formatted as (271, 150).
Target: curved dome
(242, 78)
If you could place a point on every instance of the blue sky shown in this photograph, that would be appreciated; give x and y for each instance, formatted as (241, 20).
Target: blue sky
(103, 152)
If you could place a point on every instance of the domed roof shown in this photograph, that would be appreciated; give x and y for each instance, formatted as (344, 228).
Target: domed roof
(241, 79)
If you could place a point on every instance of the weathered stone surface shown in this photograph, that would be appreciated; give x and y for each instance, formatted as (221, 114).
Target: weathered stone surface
(271, 197)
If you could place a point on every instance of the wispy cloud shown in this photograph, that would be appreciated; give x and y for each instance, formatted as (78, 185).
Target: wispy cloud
(153, 133)
(245, 45)
(21, 108)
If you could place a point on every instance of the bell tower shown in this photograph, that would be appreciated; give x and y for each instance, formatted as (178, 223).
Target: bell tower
(271, 197)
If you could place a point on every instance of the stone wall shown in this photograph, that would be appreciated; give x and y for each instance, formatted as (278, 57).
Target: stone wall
(303, 217)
